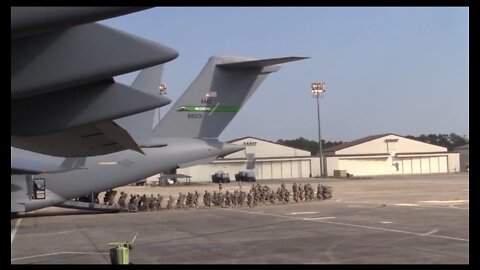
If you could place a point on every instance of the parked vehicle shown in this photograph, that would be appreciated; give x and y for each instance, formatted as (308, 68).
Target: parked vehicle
(245, 176)
(220, 177)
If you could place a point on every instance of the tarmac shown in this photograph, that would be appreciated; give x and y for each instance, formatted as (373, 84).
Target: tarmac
(383, 220)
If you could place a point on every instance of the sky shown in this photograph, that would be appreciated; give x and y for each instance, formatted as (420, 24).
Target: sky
(401, 70)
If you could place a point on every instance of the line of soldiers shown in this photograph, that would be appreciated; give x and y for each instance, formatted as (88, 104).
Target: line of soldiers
(257, 194)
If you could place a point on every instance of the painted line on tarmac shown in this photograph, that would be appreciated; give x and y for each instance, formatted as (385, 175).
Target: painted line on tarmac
(431, 232)
(41, 234)
(410, 205)
(386, 222)
(302, 213)
(352, 225)
(318, 218)
(59, 253)
(454, 201)
(15, 228)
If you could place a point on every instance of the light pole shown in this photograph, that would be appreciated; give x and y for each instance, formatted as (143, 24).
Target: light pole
(318, 88)
(163, 91)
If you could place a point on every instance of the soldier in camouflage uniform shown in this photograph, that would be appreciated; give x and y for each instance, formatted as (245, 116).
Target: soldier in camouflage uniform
(189, 200)
(300, 192)
(250, 199)
(159, 202)
(170, 202)
(151, 203)
(328, 192)
(122, 200)
(228, 199)
(206, 199)
(195, 199)
(295, 192)
(320, 192)
(179, 199)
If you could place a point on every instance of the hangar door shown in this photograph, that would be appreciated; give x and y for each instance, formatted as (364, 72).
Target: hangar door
(283, 169)
(366, 166)
(417, 165)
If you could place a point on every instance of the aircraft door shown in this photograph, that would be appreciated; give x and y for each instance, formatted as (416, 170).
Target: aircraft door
(38, 189)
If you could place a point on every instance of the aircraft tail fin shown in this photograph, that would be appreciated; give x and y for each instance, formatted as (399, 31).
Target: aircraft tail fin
(216, 95)
(140, 126)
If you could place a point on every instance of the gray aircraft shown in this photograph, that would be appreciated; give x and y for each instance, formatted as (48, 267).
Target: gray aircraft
(62, 87)
(186, 136)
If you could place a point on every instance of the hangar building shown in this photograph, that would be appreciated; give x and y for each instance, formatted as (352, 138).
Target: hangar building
(464, 157)
(387, 154)
(272, 161)
(383, 154)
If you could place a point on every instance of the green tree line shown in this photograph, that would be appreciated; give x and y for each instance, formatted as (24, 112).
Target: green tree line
(307, 145)
(449, 141)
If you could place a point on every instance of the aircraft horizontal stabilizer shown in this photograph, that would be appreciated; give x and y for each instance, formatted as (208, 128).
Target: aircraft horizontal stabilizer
(79, 55)
(260, 63)
(26, 21)
(62, 110)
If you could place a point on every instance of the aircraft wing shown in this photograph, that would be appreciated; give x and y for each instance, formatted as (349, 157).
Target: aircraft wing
(26, 162)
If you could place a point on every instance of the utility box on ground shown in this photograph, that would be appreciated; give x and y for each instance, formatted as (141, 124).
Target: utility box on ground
(340, 173)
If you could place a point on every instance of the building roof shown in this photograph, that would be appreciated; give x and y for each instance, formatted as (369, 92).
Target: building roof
(465, 146)
(355, 142)
(251, 137)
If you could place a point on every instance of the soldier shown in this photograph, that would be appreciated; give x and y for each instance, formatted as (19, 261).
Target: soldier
(151, 203)
(242, 198)
(215, 199)
(189, 199)
(295, 192)
(271, 197)
(300, 192)
(220, 187)
(121, 200)
(170, 203)
(106, 196)
(143, 203)
(195, 199)
(306, 187)
(250, 199)
(159, 201)
(235, 198)
(221, 199)
(320, 192)
(206, 201)
(179, 199)
(280, 194)
(182, 201)
(328, 192)
(287, 196)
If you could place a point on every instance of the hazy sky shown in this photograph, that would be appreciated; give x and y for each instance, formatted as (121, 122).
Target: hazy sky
(399, 70)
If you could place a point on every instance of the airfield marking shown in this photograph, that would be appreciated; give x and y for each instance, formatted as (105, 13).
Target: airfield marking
(431, 232)
(40, 234)
(350, 225)
(58, 253)
(410, 205)
(406, 204)
(15, 228)
(318, 218)
(454, 201)
(303, 213)
(386, 222)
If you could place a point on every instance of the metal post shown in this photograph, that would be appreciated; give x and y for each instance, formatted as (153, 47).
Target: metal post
(320, 137)
(317, 90)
